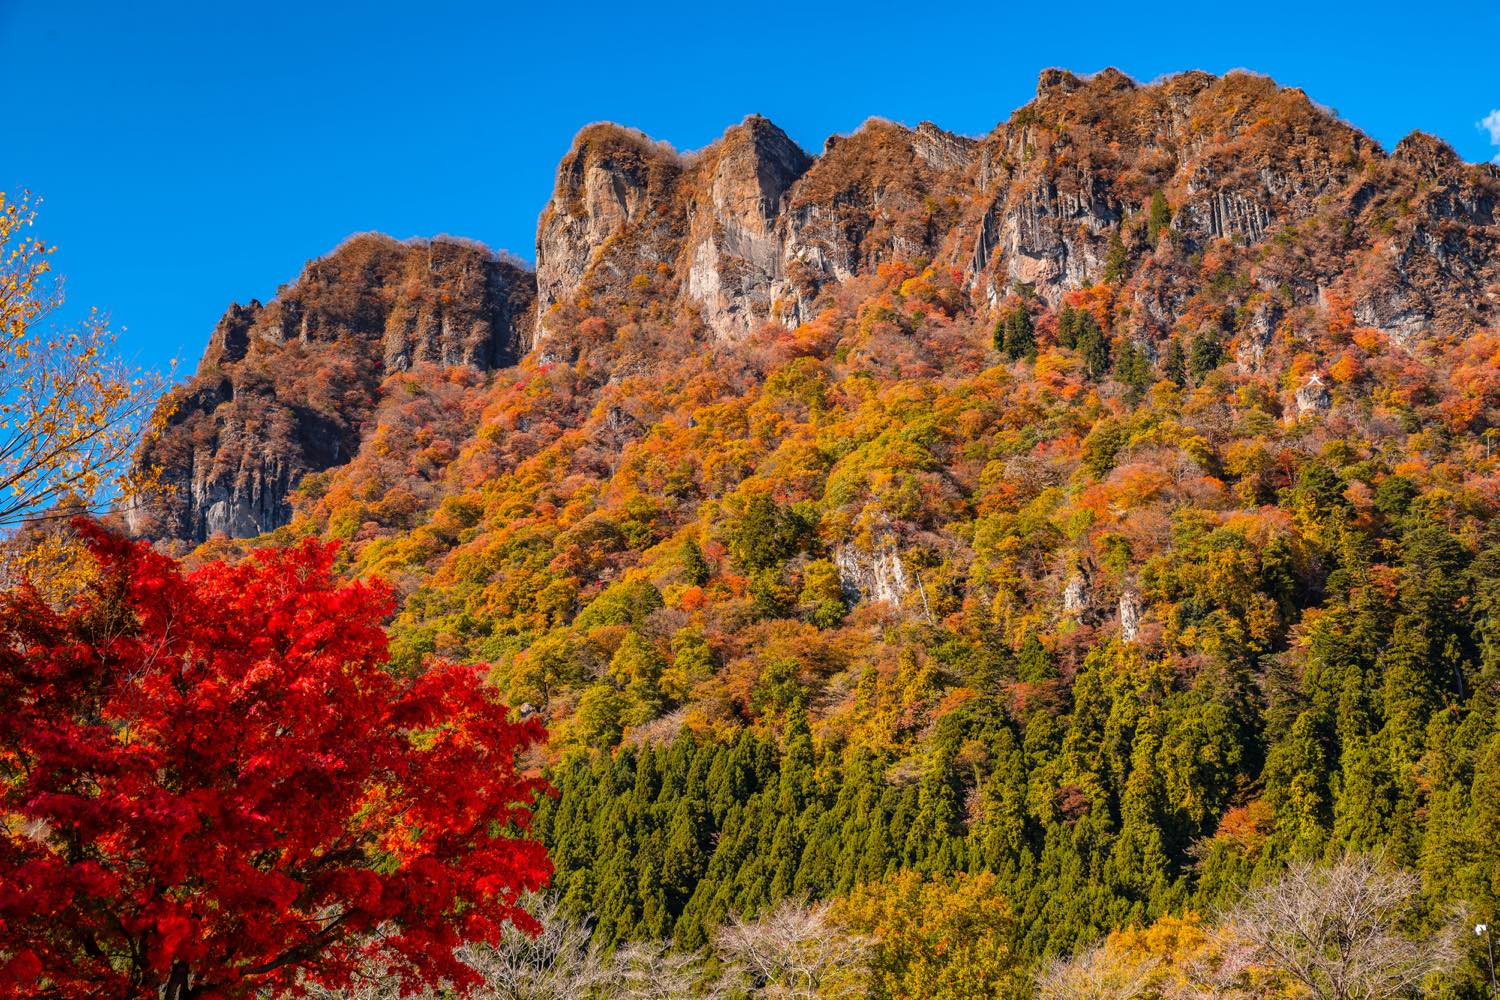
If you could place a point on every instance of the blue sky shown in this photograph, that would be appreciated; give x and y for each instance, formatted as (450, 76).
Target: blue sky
(194, 154)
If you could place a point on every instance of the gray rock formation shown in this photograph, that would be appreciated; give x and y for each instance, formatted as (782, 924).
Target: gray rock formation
(1130, 615)
(284, 388)
(735, 250)
(876, 575)
(1313, 396)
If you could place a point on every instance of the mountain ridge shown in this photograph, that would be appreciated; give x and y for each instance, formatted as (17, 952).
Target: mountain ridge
(750, 230)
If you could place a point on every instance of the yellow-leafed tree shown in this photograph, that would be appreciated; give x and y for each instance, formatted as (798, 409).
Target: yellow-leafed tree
(71, 413)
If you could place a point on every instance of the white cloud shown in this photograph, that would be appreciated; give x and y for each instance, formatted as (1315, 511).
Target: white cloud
(1491, 124)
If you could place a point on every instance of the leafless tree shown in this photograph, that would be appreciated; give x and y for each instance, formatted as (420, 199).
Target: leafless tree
(1224, 970)
(1098, 973)
(1338, 930)
(797, 952)
(652, 970)
(558, 964)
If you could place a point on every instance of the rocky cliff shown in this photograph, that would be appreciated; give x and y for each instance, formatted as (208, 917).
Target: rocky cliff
(286, 387)
(753, 230)
(1155, 188)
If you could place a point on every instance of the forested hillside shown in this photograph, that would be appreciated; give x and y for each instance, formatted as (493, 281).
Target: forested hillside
(1101, 507)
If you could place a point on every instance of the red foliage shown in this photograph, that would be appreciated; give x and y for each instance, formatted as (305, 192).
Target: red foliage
(208, 785)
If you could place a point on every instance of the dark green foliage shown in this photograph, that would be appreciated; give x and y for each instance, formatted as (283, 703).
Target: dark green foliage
(771, 597)
(1158, 219)
(1117, 259)
(695, 569)
(1093, 345)
(1133, 371)
(1102, 445)
(622, 604)
(1067, 327)
(1100, 793)
(1015, 334)
(1174, 364)
(1207, 353)
(766, 533)
(1035, 664)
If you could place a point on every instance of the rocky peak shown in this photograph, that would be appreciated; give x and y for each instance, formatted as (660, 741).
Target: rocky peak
(1056, 81)
(613, 183)
(754, 230)
(1257, 181)
(231, 337)
(943, 150)
(284, 388)
(886, 192)
(734, 256)
(753, 165)
(752, 226)
(1427, 153)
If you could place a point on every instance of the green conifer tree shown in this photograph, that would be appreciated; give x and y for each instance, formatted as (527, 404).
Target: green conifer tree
(1174, 364)
(695, 570)
(1093, 346)
(1117, 259)
(1207, 353)
(1158, 219)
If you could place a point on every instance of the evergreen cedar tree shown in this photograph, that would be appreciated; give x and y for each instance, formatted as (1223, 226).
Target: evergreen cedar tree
(211, 786)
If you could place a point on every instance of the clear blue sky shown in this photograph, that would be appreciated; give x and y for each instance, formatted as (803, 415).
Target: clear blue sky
(193, 154)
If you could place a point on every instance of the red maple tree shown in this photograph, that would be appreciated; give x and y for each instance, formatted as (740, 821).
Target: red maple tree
(209, 786)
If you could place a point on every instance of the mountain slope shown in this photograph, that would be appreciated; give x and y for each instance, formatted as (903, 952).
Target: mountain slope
(1105, 503)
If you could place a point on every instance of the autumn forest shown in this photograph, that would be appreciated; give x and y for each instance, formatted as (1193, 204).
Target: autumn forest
(1057, 563)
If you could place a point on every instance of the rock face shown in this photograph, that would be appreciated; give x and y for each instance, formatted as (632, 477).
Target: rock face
(1151, 184)
(751, 229)
(1313, 396)
(613, 213)
(1130, 616)
(1075, 596)
(735, 259)
(872, 576)
(283, 388)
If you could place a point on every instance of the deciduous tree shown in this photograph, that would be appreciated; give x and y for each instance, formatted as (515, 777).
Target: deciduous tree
(70, 413)
(211, 787)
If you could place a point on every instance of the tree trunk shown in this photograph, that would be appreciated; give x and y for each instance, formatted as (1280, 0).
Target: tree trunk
(177, 987)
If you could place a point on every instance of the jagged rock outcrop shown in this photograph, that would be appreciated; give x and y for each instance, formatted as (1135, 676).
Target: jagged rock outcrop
(1253, 185)
(614, 213)
(884, 193)
(1313, 397)
(1075, 596)
(876, 574)
(735, 252)
(1130, 615)
(752, 229)
(283, 388)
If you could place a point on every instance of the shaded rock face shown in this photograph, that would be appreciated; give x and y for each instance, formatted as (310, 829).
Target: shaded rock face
(284, 388)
